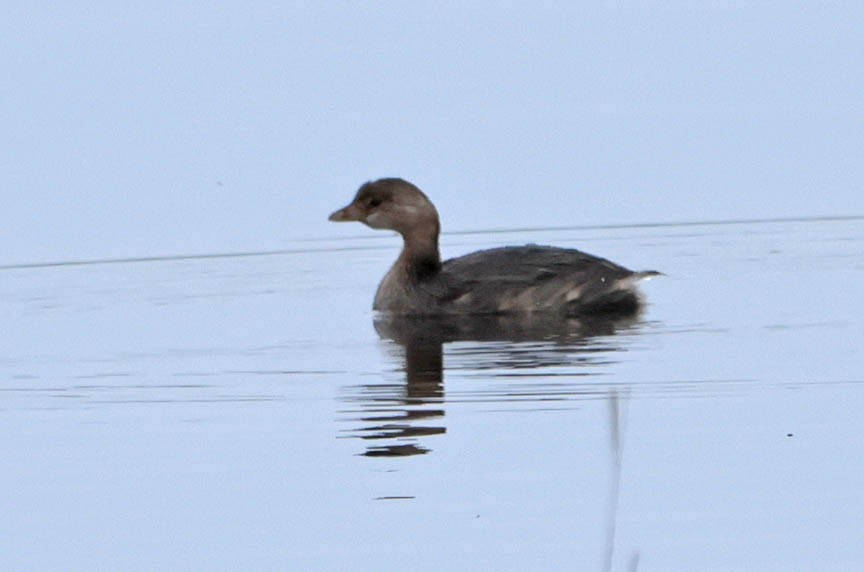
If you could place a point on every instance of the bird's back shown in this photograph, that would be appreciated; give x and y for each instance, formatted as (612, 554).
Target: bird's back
(533, 278)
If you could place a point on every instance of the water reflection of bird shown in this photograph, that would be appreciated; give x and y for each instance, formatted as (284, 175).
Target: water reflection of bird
(498, 281)
(399, 417)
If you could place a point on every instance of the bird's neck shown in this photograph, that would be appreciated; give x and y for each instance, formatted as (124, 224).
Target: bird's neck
(420, 256)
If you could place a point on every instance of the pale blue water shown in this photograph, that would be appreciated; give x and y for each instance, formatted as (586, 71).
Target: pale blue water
(242, 412)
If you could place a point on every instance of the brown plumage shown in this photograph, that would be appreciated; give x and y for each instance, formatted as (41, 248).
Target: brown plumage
(505, 280)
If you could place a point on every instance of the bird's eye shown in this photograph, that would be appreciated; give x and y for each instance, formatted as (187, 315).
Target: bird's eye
(375, 202)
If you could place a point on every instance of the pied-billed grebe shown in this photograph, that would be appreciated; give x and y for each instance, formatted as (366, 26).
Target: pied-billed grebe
(497, 281)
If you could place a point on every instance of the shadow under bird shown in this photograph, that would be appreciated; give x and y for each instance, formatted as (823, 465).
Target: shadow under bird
(509, 280)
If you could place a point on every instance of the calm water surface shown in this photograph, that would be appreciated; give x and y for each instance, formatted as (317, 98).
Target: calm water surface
(248, 413)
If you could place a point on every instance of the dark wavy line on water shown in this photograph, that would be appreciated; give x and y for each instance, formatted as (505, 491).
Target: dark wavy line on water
(667, 224)
(279, 252)
(176, 257)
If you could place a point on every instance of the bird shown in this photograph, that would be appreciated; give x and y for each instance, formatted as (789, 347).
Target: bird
(504, 280)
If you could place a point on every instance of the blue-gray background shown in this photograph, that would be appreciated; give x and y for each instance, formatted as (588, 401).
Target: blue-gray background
(171, 129)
